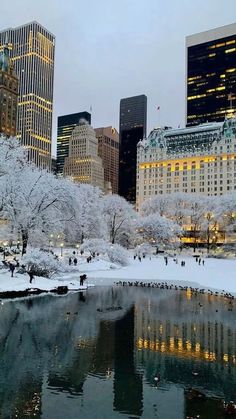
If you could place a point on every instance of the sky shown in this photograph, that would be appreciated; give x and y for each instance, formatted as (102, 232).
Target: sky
(110, 49)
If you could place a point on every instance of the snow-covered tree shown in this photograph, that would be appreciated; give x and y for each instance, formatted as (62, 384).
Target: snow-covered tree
(12, 157)
(196, 211)
(95, 246)
(87, 222)
(118, 215)
(40, 263)
(34, 203)
(117, 254)
(225, 210)
(157, 229)
(157, 204)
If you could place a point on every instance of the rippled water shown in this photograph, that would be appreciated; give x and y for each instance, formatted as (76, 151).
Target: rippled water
(96, 355)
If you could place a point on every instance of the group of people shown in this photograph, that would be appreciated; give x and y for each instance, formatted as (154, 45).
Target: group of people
(200, 261)
(12, 265)
(75, 261)
(139, 257)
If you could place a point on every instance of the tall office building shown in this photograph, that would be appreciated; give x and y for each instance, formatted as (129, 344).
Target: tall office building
(83, 164)
(32, 49)
(65, 126)
(108, 150)
(211, 75)
(133, 121)
(8, 94)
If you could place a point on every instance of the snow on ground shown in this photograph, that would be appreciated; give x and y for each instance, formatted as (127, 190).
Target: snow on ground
(21, 282)
(216, 274)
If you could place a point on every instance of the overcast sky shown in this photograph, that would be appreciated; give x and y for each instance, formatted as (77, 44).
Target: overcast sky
(109, 49)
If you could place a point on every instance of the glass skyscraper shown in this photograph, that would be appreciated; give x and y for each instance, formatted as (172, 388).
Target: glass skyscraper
(211, 75)
(32, 49)
(65, 126)
(133, 121)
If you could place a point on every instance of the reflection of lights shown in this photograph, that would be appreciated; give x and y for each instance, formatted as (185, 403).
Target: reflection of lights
(184, 348)
(108, 373)
(226, 357)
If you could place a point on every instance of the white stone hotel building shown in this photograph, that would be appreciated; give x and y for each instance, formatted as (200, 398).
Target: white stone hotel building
(199, 159)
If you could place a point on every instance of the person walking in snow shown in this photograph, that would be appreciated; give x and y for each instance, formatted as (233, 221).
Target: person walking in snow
(75, 261)
(12, 268)
(31, 275)
(70, 261)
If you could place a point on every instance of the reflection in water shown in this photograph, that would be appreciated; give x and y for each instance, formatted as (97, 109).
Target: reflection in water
(68, 357)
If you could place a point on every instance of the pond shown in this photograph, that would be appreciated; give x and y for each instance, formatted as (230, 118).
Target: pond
(117, 352)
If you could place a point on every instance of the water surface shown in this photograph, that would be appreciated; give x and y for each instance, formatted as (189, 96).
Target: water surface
(96, 355)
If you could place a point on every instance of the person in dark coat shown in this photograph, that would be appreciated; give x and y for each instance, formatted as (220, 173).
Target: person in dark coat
(82, 279)
(31, 275)
(70, 261)
(12, 268)
(75, 261)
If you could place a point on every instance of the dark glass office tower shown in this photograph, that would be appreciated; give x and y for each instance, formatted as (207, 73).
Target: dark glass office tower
(211, 75)
(133, 121)
(65, 126)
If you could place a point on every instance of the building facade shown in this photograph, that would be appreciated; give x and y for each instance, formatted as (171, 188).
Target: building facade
(83, 164)
(211, 75)
(32, 52)
(8, 94)
(65, 126)
(199, 159)
(108, 150)
(133, 122)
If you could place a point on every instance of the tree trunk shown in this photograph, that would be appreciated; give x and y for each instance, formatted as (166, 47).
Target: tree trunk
(25, 237)
(208, 240)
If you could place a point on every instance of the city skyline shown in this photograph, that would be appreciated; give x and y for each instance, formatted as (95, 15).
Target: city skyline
(141, 43)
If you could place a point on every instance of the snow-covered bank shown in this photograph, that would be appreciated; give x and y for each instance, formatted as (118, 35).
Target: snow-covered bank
(21, 283)
(216, 274)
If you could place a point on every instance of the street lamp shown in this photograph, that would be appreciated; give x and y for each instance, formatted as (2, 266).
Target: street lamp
(4, 251)
(61, 245)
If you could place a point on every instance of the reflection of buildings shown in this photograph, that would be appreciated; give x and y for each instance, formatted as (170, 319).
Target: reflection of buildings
(185, 337)
(174, 341)
(69, 348)
(128, 387)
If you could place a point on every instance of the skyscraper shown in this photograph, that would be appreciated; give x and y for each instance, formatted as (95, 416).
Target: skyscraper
(133, 120)
(65, 126)
(211, 75)
(83, 163)
(8, 94)
(108, 150)
(32, 49)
